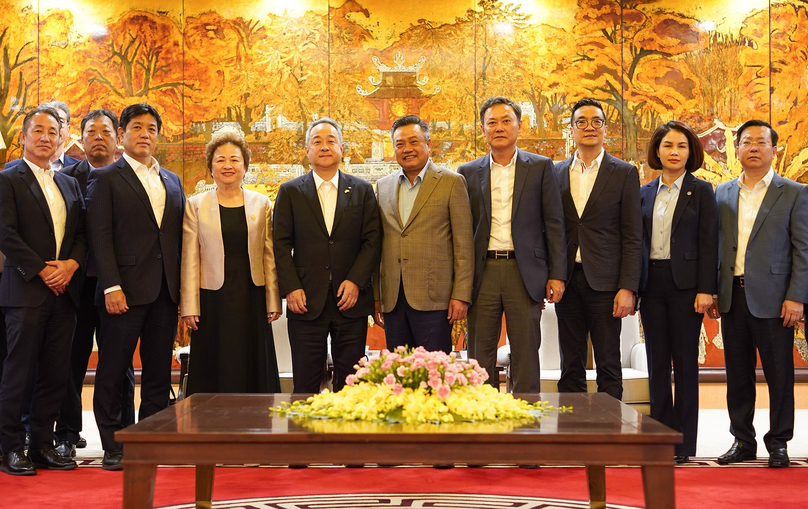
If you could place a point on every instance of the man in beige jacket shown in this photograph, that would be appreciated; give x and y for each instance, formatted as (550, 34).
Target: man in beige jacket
(427, 245)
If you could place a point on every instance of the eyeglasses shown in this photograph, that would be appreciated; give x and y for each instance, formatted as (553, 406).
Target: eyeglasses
(596, 123)
(756, 144)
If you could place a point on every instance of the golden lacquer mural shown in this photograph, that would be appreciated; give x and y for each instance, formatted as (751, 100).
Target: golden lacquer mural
(269, 67)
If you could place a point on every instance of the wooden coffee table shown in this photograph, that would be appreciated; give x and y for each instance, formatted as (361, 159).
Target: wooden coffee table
(209, 429)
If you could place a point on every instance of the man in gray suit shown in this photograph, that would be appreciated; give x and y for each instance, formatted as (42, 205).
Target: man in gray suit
(762, 285)
(427, 247)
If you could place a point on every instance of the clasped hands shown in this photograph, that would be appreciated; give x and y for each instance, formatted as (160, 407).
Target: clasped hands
(57, 274)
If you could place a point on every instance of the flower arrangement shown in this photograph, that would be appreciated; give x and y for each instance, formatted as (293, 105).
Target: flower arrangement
(416, 387)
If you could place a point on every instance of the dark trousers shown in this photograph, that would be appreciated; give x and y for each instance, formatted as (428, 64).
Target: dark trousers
(583, 311)
(503, 291)
(156, 326)
(405, 326)
(743, 335)
(672, 328)
(88, 322)
(308, 340)
(40, 337)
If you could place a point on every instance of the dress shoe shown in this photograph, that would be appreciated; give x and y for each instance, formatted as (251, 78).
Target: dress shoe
(17, 463)
(113, 460)
(736, 454)
(778, 458)
(47, 457)
(681, 459)
(298, 465)
(66, 449)
(530, 466)
(82, 443)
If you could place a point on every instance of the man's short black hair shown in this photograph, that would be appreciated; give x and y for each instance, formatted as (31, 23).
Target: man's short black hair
(498, 99)
(757, 123)
(42, 108)
(100, 113)
(586, 102)
(410, 120)
(136, 110)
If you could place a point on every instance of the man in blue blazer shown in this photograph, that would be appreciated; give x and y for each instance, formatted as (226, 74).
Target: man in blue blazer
(43, 238)
(59, 159)
(135, 211)
(327, 245)
(762, 285)
(519, 253)
(601, 197)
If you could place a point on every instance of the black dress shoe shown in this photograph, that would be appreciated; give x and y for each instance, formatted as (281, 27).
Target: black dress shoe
(681, 459)
(778, 458)
(443, 466)
(66, 449)
(529, 466)
(113, 460)
(47, 457)
(17, 463)
(736, 454)
(82, 443)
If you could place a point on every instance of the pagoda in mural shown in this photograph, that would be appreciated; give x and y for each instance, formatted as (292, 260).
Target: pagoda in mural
(397, 90)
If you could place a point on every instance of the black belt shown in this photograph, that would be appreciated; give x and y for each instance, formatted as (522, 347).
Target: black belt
(502, 255)
(738, 280)
(660, 263)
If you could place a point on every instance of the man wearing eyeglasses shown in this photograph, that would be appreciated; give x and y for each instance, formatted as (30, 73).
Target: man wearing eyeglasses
(762, 285)
(601, 198)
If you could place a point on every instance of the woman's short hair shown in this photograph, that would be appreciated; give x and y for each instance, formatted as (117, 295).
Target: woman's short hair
(224, 138)
(695, 156)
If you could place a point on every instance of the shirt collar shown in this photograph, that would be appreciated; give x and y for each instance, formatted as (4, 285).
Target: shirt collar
(577, 162)
(318, 181)
(420, 175)
(137, 165)
(509, 165)
(35, 168)
(677, 184)
(767, 179)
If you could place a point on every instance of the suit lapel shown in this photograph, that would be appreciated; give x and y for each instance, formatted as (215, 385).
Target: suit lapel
(564, 184)
(430, 182)
(604, 173)
(29, 178)
(688, 185)
(485, 184)
(649, 199)
(732, 200)
(309, 192)
(344, 190)
(519, 178)
(129, 175)
(772, 194)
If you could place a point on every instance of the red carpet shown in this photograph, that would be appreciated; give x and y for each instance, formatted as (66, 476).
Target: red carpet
(702, 488)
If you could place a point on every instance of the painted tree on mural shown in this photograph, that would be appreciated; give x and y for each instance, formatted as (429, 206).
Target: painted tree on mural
(626, 59)
(18, 77)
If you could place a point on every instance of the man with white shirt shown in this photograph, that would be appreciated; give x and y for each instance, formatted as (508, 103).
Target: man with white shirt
(519, 253)
(762, 285)
(59, 159)
(327, 245)
(42, 235)
(135, 211)
(601, 199)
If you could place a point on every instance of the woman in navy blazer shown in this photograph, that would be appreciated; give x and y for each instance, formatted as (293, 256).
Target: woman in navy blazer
(680, 248)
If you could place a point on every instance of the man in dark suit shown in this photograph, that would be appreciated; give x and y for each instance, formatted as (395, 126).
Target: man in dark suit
(762, 285)
(60, 159)
(135, 211)
(601, 198)
(327, 245)
(99, 136)
(519, 252)
(43, 237)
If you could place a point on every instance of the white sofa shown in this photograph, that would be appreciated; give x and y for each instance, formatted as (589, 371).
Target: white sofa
(632, 353)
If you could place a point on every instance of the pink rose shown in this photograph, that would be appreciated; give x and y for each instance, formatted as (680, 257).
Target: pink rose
(387, 365)
(423, 385)
(398, 389)
(350, 379)
(462, 379)
(401, 371)
(434, 383)
(444, 391)
(449, 378)
(390, 379)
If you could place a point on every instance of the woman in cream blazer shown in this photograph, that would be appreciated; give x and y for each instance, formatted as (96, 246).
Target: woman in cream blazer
(229, 282)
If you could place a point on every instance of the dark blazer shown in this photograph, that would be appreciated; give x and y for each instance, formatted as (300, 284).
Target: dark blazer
(694, 234)
(537, 222)
(609, 231)
(79, 171)
(69, 161)
(27, 238)
(129, 248)
(307, 257)
(776, 265)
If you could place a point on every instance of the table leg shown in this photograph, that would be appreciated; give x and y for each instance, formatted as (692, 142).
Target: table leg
(138, 485)
(596, 478)
(204, 486)
(658, 485)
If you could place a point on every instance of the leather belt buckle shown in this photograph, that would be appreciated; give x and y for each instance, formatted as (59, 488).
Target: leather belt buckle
(501, 255)
(740, 281)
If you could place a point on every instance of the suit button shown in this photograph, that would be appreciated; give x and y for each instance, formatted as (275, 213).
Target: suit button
(403, 235)
(159, 256)
(734, 248)
(732, 268)
(327, 267)
(330, 241)
(673, 240)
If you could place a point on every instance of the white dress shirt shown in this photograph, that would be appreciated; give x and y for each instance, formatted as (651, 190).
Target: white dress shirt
(582, 180)
(502, 178)
(149, 176)
(56, 202)
(327, 192)
(664, 205)
(407, 193)
(749, 200)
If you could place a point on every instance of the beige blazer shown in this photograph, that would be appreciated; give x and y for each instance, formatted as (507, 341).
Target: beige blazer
(433, 253)
(203, 249)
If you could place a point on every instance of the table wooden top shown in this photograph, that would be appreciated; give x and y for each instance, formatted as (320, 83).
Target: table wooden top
(245, 418)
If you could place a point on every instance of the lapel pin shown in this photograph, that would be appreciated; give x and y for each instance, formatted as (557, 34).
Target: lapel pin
(689, 193)
(347, 190)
